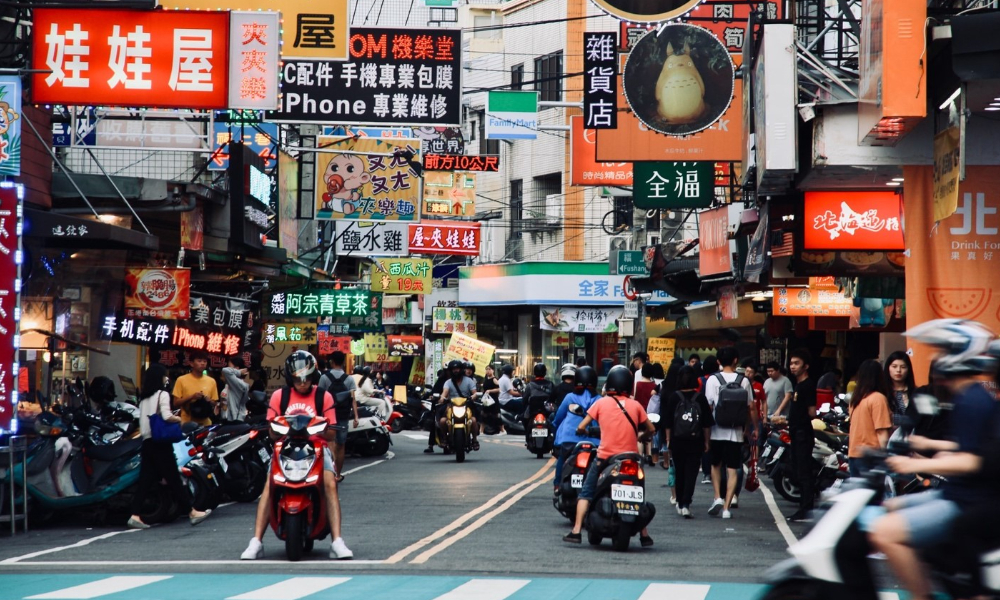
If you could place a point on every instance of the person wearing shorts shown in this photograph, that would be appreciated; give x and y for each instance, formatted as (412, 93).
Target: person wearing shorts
(726, 446)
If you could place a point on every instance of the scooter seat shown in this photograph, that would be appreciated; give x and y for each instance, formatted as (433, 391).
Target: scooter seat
(233, 429)
(117, 450)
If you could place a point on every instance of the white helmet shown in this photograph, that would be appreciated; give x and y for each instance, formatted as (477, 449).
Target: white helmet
(965, 346)
(568, 370)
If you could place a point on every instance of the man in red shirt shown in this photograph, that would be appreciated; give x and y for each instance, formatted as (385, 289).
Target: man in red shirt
(299, 369)
(618, 436)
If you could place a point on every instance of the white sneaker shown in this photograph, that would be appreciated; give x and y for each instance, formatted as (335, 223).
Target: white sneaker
(706, 480)
(716, 507)
(680, 511)
(686, 513)
(727, 515)
(339, 550)
(254, 551)
(735, 503)
(673, 500)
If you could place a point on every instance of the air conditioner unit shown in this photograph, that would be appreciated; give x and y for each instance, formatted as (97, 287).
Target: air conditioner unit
(618, 243)
(553, 209)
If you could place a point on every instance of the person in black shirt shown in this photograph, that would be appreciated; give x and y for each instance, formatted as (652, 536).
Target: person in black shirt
(800, 416)
(566, 386)
(686, 452)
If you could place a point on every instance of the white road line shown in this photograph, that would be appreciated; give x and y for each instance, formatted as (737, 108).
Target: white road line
(779, 519)
(675, 591)
(309, 564)
(79, 544)
(388, 456)
(485, 589)
(292, 589)
(102, 587)
(414, 436)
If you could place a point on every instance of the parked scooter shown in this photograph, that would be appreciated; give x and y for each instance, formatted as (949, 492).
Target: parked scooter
(407, 412)
(238, 454)
(829, 459)
(619, 509)
(370, 437)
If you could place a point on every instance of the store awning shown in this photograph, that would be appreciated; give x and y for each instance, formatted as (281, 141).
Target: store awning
(66, 231)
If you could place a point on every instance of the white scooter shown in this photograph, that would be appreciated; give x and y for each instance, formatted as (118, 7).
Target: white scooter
(371, 437)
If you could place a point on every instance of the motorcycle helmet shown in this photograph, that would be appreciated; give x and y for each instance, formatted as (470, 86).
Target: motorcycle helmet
(540, 370)
(101, 390)
(508, 370)
(586, 377)
(456, 369)
(965, 346)
(469, 366)
(568, 370)
(299, 366)
(619, 381)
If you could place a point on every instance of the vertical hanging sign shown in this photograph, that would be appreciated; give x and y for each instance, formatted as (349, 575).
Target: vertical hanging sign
(600, 80)
(253, 60)
(11, 196)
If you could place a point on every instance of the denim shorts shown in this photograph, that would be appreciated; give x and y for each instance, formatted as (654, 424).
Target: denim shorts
(928, 517)
(328, 460)
(589, 489)
(341, 437)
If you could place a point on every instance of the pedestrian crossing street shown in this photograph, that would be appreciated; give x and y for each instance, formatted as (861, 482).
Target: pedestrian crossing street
(367, 587)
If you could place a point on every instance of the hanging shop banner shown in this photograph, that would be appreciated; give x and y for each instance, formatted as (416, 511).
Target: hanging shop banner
(371, 238)
(377, 350)
(328, 343)
(440, 140)
(853, 221)
(661, 350)
(947, 152)
(434, 358)
(367, 179)
(713, 232)
(511, 115)
(461, 162)
(449, 194)
(600, 80)
(859, 263)
(193, 229)
(393, 77)
(463, 347)
(290, 333)
(646, 11)
(417, 371)
(159, 293)
(11, 198)
(310, 30)
(953, 265)
(674, 184)
(445, 237)
(10, 126)
(727, 306)
(288, 204)
(584, 170)
(402, 276)
(579, 320)
(229, 315)
(261, 138)
(405, 345)
(758, 252)
(804, 302)
(254, 55)
(449, 319)
(141, 58)
(358, 323)
(321, 303)
(679, 79)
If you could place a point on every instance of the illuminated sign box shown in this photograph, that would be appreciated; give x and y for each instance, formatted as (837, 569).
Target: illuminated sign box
(865, 221)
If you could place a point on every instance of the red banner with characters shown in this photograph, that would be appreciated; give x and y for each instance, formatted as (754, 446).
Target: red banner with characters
(158, 293)
(853, 221)
(445, 237)
(10, 275)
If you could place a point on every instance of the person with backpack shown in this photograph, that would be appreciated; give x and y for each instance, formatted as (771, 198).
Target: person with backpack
(536, 393)
(687, 423)
(299, 396)
(342, 388)
(730, 396)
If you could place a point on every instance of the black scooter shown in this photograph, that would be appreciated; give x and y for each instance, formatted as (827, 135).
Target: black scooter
(575, 467)
(619, 510)
(539, 434)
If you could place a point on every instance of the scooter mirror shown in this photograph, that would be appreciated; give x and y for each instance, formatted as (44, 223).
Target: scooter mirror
(926, 404)
(824, 408)
(654, 418)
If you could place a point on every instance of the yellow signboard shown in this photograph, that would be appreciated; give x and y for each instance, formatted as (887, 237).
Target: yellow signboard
(661, 350)
(377, 349)
(402, 276)
(463, 347)
(311, 30)
(449, 194)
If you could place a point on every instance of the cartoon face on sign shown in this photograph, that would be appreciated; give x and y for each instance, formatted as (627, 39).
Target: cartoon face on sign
(344, 176)
(680, 91)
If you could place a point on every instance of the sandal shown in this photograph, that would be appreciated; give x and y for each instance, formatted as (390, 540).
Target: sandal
(475, 445)
(338, 477)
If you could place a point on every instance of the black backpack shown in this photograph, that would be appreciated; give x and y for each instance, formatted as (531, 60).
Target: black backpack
(338, 389)
(732, 407)
(286, 397)
(687, 418)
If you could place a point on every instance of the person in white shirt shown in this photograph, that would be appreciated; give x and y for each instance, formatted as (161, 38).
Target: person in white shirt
(509, 397)
(365, 394)
(727, 442)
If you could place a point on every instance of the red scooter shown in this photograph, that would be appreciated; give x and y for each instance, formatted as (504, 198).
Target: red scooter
(298, 505)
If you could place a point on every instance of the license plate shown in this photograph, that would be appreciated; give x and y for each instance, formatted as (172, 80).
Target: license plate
(539, 433)
(626, 493)
(264, 456)
(576, 481)
(224, 465)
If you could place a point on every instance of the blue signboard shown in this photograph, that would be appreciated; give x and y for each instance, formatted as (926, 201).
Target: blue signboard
(86, 130)
(251, 136)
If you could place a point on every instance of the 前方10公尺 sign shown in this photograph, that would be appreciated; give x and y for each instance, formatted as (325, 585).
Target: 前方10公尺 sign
(321, 303)
(853, 221)
(673, 184)
(402, 276)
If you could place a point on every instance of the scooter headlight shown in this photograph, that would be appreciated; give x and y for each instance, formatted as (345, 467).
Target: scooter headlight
(296, 470)
(458, 411)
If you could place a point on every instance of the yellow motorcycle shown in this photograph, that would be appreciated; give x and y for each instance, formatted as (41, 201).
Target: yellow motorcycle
(458, 438)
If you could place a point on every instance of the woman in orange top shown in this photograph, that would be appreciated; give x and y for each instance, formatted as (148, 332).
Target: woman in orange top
(871, 418)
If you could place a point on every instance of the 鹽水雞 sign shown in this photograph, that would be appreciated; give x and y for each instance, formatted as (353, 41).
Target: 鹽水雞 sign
(371, 238)
(322, 303)
(393, 77)
(461, 162)
(600, 80)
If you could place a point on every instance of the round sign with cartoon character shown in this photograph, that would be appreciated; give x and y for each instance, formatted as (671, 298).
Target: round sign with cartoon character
(678, 80)
(647, 11)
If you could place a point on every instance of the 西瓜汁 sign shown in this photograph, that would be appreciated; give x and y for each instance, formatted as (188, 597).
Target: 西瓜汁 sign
(393, 77)
(158, 293)
(511, 115)
(255, 54)
(600, 80)
(322, 303)
(629, 262)
(805, 302)
(461, 162)
(449, 194)
(371, 238)
(140, 58)
(674, 184)
(367, 180)
(402, 276)
(579, 320)
(451, 319)
(445, 237)
(853, 221)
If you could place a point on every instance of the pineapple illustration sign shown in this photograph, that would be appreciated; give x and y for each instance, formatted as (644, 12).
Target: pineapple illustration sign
(10, 125)
(678, 79)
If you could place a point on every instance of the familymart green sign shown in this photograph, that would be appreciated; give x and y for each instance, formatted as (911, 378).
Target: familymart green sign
(673, 184)
(512, 116)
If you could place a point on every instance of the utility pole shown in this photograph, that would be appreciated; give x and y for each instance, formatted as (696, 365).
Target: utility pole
(638, 241)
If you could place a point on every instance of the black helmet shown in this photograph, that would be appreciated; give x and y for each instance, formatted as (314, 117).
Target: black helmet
(299, 366)
(101, 389)
(455, 364)
(469, 365)
(540, 370)
(619, 381)
(358, 370)
(507, 370)
(586, 376)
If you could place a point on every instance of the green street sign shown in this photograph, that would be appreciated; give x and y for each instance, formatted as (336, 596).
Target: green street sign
(673, 184)
(630, 262)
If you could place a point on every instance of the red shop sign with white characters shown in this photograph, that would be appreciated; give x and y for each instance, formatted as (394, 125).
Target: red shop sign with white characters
(445, 237)
(462, 162)
(853, 221)
(147, 58)
(10, 296)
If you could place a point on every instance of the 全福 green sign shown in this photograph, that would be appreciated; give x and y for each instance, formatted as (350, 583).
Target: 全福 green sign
(673, 184)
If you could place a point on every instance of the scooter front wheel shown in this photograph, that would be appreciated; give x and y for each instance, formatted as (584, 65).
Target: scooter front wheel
(294, 533)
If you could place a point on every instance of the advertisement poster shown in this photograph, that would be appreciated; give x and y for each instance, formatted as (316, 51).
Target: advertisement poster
(11, 196)
(377, 349)
(329, 343)
(947, 159)
(445, 237)
(713, 232)
(579, 320)
(288, 204)
(584, 169)
(727, 307)
(661, 350)
(805, 302)
(158, 293)
(368, 181)
(758, 254)
(450, 319)
(402, 276)
(463, 347)
(193, 229)
(417, 372)
(449, 194)
(853, 221)
(140, 58)
(405, 345)
(10, 125)
(954, 265)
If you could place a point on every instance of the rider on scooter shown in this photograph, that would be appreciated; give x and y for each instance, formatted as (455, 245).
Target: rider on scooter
(299, 369)
(459, 386)
(584, 394)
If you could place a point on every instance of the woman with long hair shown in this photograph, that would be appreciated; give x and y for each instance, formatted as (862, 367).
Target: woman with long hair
(871, 417)
(156, 457)
(686, 450)
(899, 374)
